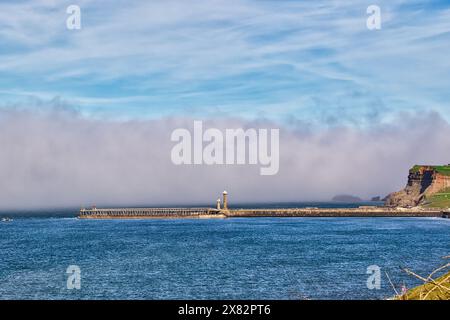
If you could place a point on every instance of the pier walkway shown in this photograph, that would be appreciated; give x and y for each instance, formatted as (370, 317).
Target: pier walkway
(139, 213)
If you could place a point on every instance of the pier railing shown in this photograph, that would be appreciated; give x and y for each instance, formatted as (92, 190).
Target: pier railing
(147, 212)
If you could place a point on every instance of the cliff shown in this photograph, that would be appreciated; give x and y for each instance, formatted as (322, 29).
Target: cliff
(424, 182)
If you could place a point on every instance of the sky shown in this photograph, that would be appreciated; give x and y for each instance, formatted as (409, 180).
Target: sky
(312, 60)
(355, 107)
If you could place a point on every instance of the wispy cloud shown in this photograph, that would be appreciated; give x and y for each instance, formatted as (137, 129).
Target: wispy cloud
(308, 59)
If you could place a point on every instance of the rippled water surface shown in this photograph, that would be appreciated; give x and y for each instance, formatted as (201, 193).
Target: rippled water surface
(240, 258)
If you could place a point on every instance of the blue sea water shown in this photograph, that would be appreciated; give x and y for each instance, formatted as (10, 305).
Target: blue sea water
(239, 258)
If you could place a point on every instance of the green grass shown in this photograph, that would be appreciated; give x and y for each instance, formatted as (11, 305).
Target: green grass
(439, 200)
(445, 170)
(430, 291)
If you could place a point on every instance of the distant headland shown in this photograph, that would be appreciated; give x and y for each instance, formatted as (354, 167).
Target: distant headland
(346, 198)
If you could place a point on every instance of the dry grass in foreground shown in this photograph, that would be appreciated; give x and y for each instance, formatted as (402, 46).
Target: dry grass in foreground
(431, 289)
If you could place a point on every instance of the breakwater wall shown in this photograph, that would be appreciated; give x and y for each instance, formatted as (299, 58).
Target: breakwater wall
(140, 213)
(335, 212)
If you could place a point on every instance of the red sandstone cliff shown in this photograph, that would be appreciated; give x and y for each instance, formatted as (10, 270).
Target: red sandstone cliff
(423, 181)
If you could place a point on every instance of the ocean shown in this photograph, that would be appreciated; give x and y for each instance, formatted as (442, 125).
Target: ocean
(237, 258)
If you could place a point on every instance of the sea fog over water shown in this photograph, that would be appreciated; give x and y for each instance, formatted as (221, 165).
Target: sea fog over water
(236, 258)
(73, 212)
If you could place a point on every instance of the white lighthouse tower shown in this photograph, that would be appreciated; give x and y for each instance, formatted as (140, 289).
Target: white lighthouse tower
(218, 204)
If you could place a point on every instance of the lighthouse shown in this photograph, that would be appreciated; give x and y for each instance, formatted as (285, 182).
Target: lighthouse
(218, 204)
(225, 200)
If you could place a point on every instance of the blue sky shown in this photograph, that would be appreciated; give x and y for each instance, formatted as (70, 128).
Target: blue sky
(282, 60)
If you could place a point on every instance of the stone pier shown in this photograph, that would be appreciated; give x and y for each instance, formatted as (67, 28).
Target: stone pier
(140, 213)
(336, 212)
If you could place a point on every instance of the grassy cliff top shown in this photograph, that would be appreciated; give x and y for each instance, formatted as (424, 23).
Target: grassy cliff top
(445, 170)
(439, 200)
